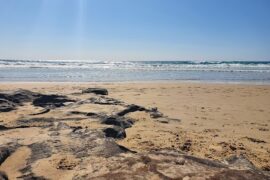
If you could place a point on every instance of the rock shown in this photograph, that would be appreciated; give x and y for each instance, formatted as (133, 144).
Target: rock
(105, 101)
(108, 160)
(117, 121)
(36, 122)
(186, 146)
(5, 128)
(95, 115)
(163, 120)
(2, 128)
(39, 151)
(241, 175)
(6, 106)
(131, 108)
(3, 176)
(8, 102)
(31, 176)
(77, 113)
(44, 111)
(161, 165)
(255, 140)
(154, 113)
(115, 132)
(20, 96)
(240, 162)
(51, 101)
(4, 154)
(100, 91)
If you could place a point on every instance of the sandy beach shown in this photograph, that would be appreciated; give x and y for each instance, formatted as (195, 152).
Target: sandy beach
(205, 120)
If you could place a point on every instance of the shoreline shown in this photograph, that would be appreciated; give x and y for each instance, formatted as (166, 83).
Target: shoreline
(143, 82)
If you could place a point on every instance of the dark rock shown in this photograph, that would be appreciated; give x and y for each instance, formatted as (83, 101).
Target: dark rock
(51, 101)
(118, 121)
(78, 113)
(186, 146)
(8, 102)
(111, 148)
(233, 148)
(75, 128)
(20, 96)
(6, 106)
(91, 143)
(36, 122)
(115, 132)
(131, 108)
(163, 120)
(89, 114)
(2, 128)
(95, 115)
(4, 154)
(31, 176)
(44, 111)
(100, 91)
(3, 176)
(154, 113)
(123, 148)
(255, 140)
(39, 151)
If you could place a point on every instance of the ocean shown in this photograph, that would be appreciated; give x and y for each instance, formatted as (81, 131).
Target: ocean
(123, 71)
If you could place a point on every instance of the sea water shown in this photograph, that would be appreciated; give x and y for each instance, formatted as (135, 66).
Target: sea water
(122, 71)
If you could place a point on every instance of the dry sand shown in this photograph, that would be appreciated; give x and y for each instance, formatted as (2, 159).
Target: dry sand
(212, 121)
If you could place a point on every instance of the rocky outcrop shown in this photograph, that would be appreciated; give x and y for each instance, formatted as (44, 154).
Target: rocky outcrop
(9, 101)
(19, 96)
(93, 153)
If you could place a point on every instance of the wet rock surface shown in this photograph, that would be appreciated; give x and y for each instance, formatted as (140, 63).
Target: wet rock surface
(100, 91)
(70, 149)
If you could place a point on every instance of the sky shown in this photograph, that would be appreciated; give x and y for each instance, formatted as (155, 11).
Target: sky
(135, 29)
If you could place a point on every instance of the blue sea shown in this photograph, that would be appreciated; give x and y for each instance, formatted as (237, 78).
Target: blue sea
(123, 71)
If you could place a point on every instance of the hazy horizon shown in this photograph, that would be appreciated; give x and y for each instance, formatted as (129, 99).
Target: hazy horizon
(125, 30)
(166, 60)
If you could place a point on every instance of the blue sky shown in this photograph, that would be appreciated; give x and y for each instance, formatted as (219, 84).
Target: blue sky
(135, 29)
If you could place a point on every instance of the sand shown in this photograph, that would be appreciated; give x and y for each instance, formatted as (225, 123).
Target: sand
(213, 121)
